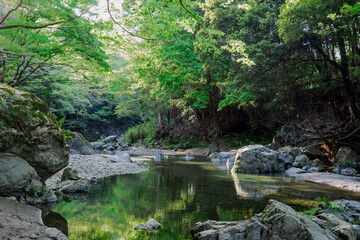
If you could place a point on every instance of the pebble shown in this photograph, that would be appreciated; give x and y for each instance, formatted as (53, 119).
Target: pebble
(33, 236)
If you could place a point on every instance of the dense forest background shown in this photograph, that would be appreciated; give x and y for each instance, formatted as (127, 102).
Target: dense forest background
(199, 70)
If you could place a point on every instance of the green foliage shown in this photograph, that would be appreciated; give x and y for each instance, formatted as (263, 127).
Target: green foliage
(32, 46)
(325, 204)
(249, 139)
(144, 132)
(350, 163)
(183, 142)
(66, 132)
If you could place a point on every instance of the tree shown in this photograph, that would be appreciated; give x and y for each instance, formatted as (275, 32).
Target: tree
(38, 37)
(330, 30)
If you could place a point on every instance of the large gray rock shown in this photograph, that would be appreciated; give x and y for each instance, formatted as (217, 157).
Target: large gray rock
(30, 131)
(71, 186)
(19, 179)
(69, 174)
(257, 159)
(151, 225)
(301, 161)
(38, 193)
(346, 157)
(15, 174)
(111, 139)
(121, 157)
(211, 149)
(277, 222)
(80, 144)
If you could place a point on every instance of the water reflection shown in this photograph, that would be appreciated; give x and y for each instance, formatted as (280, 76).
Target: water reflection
(55, 220)
(178, 194)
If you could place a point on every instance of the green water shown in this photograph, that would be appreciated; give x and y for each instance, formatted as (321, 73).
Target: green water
(178, 194)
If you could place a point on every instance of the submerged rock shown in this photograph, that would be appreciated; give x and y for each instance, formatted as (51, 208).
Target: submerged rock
(151, 225)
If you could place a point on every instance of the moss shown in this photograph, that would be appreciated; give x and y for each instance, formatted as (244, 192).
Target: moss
(7, 89)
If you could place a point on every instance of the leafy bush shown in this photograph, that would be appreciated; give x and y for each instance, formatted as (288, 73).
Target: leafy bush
(144, 131)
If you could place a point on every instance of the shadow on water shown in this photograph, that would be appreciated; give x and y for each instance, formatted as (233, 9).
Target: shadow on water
(178, 194)
(55, 220)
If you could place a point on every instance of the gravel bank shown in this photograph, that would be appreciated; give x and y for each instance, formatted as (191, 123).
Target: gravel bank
(98, 166)
(341, 181)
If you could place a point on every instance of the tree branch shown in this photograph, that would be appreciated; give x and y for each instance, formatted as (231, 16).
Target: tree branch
(130, 33)
(36, 27)
(188, 10)
(12, 10)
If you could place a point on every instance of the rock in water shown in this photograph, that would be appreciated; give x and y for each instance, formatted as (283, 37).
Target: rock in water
(80, 144)
(188, 157)
(151, 225)
(257, 159)
(29, 130)
(158, 157)
(277, 221)
(121, 157)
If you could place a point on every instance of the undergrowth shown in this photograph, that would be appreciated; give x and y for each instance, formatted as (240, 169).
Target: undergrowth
(325, 203)
(144, 132)
(250, 139)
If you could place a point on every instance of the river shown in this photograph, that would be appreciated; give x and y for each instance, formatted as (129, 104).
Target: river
(178, 194)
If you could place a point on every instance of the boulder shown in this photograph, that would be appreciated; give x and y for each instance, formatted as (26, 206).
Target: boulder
(211, 149)
(349, 171)
(38, 193)
(30, 131)
(71, 186)
(312, 152)
(69, 174)
(224, 160)
(301, 161)
(277, 221)
(121, 157)
(158, 157)
(346, 157)
(151, 225)
(20, 180)
(111, 139)
(15, 174)
(80, 144)
(257, 159)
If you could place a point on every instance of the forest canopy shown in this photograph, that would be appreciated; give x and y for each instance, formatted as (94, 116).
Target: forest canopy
(209, 67)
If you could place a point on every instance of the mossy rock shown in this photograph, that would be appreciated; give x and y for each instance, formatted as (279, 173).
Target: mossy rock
(29, 130)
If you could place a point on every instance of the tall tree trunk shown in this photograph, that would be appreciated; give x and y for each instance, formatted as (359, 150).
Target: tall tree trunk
(344, 69)
(160, 124)
(213, 104)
